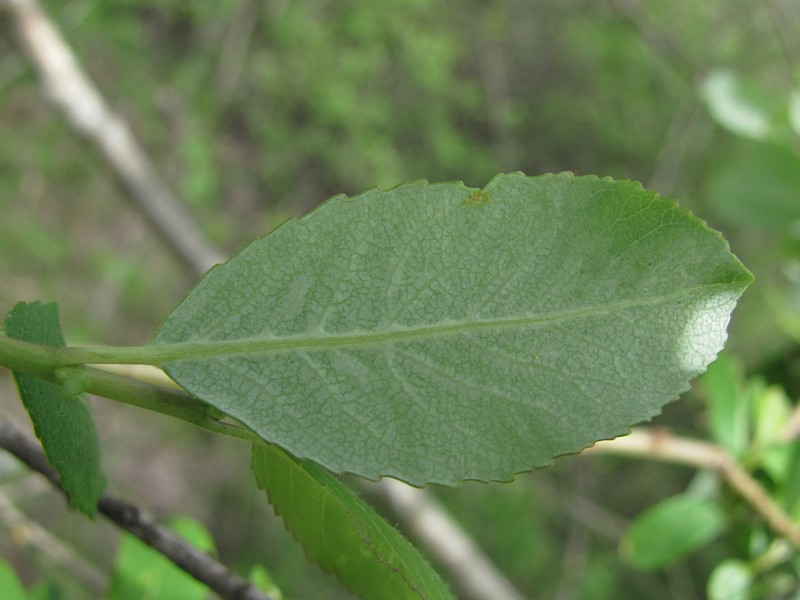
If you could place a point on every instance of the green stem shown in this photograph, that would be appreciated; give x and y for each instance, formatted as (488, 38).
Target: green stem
(25, 357)
(38, 360)
(168, 401)
(49, 364)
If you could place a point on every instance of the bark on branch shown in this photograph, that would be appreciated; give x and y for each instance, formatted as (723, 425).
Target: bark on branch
(196, 563)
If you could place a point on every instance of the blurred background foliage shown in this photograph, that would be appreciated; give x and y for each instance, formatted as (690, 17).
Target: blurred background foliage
(256, 111)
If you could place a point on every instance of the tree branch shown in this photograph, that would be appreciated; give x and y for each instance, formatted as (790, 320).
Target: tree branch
(29, 533)
(470, 569)
(662, 445)
(85, 109)
(196, 563)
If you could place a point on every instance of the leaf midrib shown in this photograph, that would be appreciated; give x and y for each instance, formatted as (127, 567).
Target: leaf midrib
(175, 351)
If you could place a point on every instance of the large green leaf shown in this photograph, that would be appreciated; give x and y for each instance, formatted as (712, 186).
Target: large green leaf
(437, 333)
(61, 420)
(342, 533)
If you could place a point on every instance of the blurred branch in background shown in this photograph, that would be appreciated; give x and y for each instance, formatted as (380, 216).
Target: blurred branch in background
(660, 41)
(433, 527)
(25, 532)
(662, 445)
(785, 16)
(237, 41)
(74, 94)
(198, 564)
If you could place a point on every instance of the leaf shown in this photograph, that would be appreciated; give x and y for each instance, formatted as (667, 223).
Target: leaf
(342, 533)
(771, 409)
(790, 484)
(740, 106)
(423, 334)
(671, 530)
(771, 412)
(262, 580)
(730, 580)
(729, 409)
(62, 421)
(760, 188)
(9, 583)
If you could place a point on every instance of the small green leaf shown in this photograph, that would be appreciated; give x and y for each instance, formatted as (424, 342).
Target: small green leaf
(740, 106)
(141, 572)
(790, 484)
(61, 420)
(671, 530)
(730, 580)
(437, 333)
(10, 585)
(260, 577)
(729, 409)
(771, 411)
(794, 111)
(342, 533)
(760, 188)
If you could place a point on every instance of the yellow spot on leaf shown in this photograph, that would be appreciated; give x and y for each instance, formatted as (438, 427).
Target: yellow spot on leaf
(477, 198)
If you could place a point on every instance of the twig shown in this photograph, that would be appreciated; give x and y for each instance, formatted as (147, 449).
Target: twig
(791, 430)
(469, 568)
(575, 551)
(237, 41)
(82, 104)
(686, 126)
(665, 48)
(661, 445)
(196, 563)
(785, 17)
(29, 533)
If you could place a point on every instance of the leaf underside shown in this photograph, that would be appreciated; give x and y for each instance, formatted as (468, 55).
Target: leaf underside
(425, 335)
(62, 422)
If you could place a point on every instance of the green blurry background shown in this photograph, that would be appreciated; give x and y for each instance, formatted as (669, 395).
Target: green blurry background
(257, 111)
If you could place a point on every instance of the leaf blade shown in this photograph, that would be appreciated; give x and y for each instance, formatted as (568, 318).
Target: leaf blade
(670, 530)
(62, 421)
(418, 334)
(341, 532)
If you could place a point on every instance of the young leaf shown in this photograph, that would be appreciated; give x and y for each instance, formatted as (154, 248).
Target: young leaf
(261, 578)
(768, 172)
(343, 534)
(671, 530)
(437, 333)
(9, 583)
(62, 421)
(730, 580)
(728, 409)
